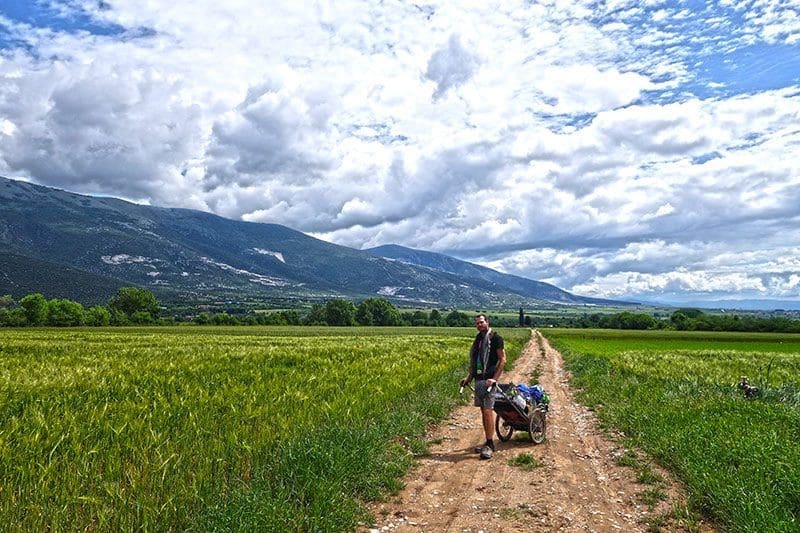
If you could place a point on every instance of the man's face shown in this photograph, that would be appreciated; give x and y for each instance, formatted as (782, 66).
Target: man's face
(481, 323)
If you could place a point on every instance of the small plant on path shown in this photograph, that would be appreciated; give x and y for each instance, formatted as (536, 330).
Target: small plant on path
(525, 461)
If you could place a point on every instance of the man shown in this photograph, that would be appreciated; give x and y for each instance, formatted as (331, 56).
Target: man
(487, 357)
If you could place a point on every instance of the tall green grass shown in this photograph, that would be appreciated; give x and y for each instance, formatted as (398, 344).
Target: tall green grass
(674, 395)
(285, 429)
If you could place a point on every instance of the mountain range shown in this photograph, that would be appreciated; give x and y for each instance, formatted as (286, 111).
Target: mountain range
(80, 247)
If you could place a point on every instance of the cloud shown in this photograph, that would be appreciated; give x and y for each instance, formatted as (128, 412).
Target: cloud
(586, 89)
(100, 128)
(451, 66)
(614, 149)
(705, 284)
(275, 131)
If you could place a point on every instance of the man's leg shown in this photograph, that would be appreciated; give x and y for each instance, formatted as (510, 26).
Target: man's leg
(488, 428)
(488, 422)
(484, 401)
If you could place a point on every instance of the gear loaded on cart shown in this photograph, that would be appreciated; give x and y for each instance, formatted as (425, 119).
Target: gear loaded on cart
(520, 408)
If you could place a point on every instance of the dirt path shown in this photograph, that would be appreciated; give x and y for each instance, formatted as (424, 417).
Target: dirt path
(579, 487)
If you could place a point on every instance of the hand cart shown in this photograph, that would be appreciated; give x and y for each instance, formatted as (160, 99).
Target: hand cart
(515, 412)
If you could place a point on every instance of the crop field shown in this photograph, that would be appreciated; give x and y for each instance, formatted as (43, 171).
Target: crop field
(674, 395)
(202, 429)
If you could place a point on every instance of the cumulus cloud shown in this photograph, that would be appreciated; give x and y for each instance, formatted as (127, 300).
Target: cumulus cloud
(274, 132)
(98, 128)
(586, 89)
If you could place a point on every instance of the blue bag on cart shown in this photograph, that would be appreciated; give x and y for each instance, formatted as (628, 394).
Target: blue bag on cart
(534, 393)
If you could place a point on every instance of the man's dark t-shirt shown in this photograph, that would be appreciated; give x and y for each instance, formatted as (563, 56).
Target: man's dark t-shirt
(496, 343)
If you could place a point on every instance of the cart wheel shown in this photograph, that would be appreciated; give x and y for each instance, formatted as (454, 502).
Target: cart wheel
(537, 427)
(503, 428)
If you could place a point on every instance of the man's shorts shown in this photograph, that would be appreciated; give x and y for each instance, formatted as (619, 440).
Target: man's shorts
(483, 398)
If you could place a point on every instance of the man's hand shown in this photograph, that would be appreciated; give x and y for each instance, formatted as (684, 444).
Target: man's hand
(491, 382)
(464, 382)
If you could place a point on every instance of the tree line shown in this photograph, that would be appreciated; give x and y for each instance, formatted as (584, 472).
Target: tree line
(136, 306)
(684, 319)
(130, 305)
(695, 320)
(341, 312)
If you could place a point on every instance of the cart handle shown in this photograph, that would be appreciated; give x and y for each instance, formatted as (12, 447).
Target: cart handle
(461, 390)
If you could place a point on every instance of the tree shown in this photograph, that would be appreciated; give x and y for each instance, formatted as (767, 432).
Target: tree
(224, 319)
(35, 307)
(13, 317)
(202, 319)
(377, 312)
(679, 321)
(340, 313)
(6, 301)
(629, 320)
(521, 317)
(271, 319)
(141, 318)
(435, 318)
(418, 318)
(690, 312)
(316, 316)
(64, 313)
(456, 318)
(97, 315)
(290, 317)
(118, 318)
(249, 320)
(130, 300)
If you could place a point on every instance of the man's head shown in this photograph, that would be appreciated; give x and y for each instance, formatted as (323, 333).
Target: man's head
(481, 322)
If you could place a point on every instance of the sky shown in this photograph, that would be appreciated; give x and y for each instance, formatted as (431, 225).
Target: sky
(641, 150)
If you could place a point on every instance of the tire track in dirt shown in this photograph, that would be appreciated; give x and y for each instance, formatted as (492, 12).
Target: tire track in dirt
(579, 486)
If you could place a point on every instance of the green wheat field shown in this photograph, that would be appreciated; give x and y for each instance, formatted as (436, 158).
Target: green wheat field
(674, 395)
(203, 429)
(293, 429)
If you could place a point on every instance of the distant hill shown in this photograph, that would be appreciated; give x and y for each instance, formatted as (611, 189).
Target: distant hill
(21, 275)
(82, 247)
(515, 284)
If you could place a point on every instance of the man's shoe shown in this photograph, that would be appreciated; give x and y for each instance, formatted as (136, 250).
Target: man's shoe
(486, 452)
(479, 449)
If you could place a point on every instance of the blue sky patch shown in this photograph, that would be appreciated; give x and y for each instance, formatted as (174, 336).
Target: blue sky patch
(755, 68)
(40, 15)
